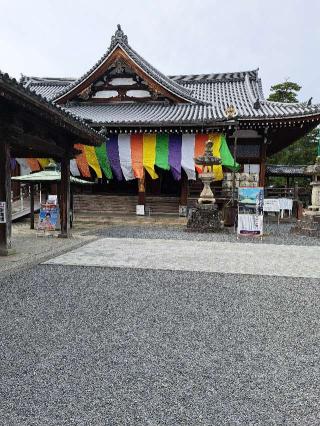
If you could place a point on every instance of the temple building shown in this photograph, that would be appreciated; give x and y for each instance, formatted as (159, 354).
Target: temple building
(156, 124)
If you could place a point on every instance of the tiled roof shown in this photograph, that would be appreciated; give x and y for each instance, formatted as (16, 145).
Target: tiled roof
(140, 113)
(121, 40)
(208, 96)
(65, 117)
(285, 170)
(218, 94)
(48, 88)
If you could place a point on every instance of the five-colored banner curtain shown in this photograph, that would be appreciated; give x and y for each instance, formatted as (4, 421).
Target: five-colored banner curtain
(128, 155)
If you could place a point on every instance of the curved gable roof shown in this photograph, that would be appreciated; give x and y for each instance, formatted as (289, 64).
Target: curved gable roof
(120, 42)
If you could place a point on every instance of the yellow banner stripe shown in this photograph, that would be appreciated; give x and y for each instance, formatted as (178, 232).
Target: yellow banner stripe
(217, 170)
(93, 160)
(149, 154)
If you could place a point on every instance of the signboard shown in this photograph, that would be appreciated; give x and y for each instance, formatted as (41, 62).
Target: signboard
(140, 209)
(48, 217)
(183, 211)
(3, 212)
(250, 211)
(53, 199)
(271, 205)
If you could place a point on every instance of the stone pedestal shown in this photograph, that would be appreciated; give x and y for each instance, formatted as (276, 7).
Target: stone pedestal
(309, 225)
(206, 195)
(205, 218)
(315, 197)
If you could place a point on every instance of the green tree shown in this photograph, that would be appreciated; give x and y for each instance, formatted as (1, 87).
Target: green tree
(284, 92)
(304, 150)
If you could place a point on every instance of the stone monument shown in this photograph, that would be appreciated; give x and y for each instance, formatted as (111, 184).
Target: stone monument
(206, 217)
(310, 223)
(314, 171)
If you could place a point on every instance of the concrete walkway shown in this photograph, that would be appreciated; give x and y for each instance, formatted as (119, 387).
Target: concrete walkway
(202, 256)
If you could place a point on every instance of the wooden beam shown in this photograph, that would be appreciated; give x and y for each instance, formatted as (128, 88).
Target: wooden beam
(65, 198)
(35, 145)
(5, 195)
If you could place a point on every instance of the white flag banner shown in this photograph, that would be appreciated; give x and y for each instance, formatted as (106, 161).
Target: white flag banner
(24, 168)
(187, 155)
(74, 168)
(125, 156)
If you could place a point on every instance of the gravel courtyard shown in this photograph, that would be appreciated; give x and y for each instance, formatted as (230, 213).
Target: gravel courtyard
(118, 346)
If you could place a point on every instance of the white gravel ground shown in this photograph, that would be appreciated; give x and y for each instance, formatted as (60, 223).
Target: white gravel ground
(274, 234)
(200, 256)
(98, 346)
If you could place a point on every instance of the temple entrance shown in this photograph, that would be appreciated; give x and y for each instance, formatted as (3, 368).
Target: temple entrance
(165, 185)
(121, 197)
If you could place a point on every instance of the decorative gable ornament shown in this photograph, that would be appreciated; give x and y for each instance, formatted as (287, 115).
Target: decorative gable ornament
(118, 37)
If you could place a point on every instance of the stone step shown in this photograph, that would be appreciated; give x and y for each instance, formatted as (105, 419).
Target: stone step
(124, 204)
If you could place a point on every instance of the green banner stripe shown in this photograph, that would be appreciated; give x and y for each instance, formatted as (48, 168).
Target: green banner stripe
(226, 156)
(162, 152)
(103, 159)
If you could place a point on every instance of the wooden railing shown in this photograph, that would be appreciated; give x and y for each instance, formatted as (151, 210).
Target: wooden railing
(21, 202)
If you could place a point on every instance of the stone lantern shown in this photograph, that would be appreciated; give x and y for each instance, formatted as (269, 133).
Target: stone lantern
(314, 171)
(310, 223)
(206, 216)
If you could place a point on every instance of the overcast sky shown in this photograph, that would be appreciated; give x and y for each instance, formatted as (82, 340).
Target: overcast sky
(64, 38)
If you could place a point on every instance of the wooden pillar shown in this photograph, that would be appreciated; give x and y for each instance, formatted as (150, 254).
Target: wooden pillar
(184, 189)
(65, 198)
(142, 189)
(5, 195)
(31, 205)
(263, 159)
(71, 209)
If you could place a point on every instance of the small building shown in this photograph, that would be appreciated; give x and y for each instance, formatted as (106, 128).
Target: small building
(154, 124)
(31, 126)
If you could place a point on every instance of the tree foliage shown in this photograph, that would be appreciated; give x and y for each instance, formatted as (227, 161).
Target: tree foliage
(284, 92)
(303, 151)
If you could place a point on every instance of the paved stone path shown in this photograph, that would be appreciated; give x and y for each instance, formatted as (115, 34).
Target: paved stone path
(202, 256)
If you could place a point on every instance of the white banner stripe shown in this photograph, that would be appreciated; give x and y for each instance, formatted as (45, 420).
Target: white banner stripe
(187, 155)
(24, 168)
(74, 168)
(125, 156)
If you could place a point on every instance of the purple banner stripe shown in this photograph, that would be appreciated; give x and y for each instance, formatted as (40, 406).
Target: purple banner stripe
(113, 154)
(13, 163)
(175, 144)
